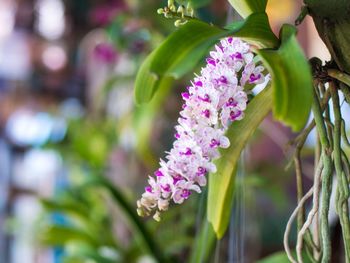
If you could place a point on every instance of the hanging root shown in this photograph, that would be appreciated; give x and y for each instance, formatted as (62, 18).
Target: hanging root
(313, 212)
(290, 222)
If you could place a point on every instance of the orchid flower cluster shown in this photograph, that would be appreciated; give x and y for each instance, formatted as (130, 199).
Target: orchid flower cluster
(213, 101)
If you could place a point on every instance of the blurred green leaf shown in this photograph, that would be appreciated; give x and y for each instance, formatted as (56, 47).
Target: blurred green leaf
(112, 83)
(222, 184)
(204, 243)
(73, 259)
(69, 208)
(93, 145)
(291, 80)
(280, 257)
(130, 212)
(194, 3)
(144, 116)
(82, 217)
(146, 81)
(62, 235)
(184, 48)
(247, 7)
(80, 252)
(199, 3)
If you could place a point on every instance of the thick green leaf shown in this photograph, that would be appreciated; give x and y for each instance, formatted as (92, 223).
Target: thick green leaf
(146, 81)
(184, 48)
(291, 80)
(256, 30)
(247, 7)
(222, 183)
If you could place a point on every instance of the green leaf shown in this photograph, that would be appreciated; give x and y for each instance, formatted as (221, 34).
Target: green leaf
(256, 30)
(62, 235)
(80, 252)
(130, 212)
(204, 243)
(194, 3)
(65, 207)
(81, 217)
(247, 7)
(184, 48)
(199, 3)
(143, 119)
(291, 80)
(222, 183)
(280, 257)
(146, 81)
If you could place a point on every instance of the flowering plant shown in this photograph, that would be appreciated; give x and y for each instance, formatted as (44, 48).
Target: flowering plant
(216, 102)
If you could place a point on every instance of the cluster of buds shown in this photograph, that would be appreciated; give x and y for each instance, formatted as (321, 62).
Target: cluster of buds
(183, 12)
(214, 100)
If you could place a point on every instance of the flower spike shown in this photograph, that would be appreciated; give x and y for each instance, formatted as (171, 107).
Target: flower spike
(215, 99)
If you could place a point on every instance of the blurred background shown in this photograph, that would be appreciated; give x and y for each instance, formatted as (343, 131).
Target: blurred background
(68, 119)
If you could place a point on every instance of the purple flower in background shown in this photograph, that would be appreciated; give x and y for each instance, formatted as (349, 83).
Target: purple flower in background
(106, 53)
(215, 99)
(103, 14)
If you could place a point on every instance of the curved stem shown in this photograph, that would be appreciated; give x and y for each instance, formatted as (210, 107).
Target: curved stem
(314, 210)
(290, 222)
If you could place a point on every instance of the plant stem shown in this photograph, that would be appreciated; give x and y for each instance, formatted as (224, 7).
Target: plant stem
(289, 225)
(316, 227)
(303, 13)
(311, 215)
(338, 75)
(343, 133)
(326, 179)
(343, 186)
(327, 118)
(299, 142)
(326, 194)
(300, 192)
(344, 79)
(346, 163)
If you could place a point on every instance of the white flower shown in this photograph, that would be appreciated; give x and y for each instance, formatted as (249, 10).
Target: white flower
(214, 100)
